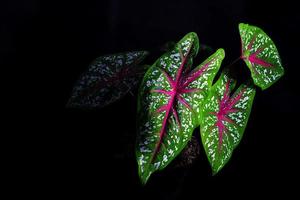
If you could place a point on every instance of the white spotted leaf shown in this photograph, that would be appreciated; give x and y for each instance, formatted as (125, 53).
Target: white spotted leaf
(169, 104)
(260, 55)
(224, 118)
(108, 79)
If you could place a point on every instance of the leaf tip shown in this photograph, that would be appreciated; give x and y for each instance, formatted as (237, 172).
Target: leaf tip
(144, 177)
(216, 168)
(242, 25)
(195, 40)
(214, 172)
(192, 34)
(221, 51)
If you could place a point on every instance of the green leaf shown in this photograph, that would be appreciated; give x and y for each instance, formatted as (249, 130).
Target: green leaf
(260, 55)
(224, 118)
(108, 79)
(169, 104)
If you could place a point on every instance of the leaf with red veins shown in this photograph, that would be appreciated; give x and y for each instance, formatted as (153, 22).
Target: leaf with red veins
(225, 108)
(254, 59)
(176, 117)
(189, 90)
(174, 92)
(162, 91)
(260, 55)
(161, 109)
(108, 79)
(224, 119)
(184, 102)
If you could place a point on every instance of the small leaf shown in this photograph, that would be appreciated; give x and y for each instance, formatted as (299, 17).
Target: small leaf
(169, 104)
(224, 118)
(260, 55)
(108, 79)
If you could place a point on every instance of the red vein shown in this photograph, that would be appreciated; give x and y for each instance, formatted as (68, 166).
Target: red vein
(190, 90)
(164, 123)
(178, 87)
(173, 94)
(176, 117)
(195, 74)
(226, 106)
(161, 109)
(162, 91)
(169, 78)
(184, 102)
(254, 59)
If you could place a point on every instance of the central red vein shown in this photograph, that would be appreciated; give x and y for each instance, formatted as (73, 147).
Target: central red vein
(226, 106)
(253, 58)
(178, 87)
(169, 106)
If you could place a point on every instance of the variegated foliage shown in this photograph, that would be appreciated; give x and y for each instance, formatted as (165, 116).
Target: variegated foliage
(261, 56)
(224, 118)
(108, 79)
(170, 99)
(175, 97)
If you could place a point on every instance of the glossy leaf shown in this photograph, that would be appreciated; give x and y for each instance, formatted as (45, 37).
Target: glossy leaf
(169, 104)
(261, 56)
(108, 79)
(224, 118)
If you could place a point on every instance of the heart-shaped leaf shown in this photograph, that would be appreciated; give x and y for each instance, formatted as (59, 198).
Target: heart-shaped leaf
(108, 79)
(169, 104)
(260, 55)
(224, 118)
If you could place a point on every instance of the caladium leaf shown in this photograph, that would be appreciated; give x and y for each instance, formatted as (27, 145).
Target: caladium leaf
(260, 55)
(224, 118)
(169, 104)
(108, 79)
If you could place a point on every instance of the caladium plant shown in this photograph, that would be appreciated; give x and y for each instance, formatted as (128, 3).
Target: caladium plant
(170, 98)
(224, 118)
(108, 79)
(261, 56)
(175, 97)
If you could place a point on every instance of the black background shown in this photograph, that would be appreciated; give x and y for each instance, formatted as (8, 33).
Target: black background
(90, 153)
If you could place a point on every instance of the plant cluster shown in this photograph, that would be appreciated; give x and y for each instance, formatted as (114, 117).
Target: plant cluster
(175, 97)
